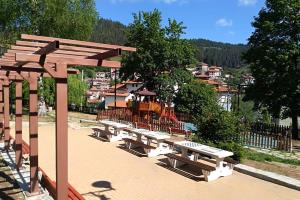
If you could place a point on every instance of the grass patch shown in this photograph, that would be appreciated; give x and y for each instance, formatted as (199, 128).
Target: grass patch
(262, 157)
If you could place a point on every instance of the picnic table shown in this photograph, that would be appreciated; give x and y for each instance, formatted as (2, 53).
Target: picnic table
(116, 135)
(215, 153)
(159, 137)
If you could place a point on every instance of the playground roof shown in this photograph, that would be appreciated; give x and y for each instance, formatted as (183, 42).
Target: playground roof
(145, 92)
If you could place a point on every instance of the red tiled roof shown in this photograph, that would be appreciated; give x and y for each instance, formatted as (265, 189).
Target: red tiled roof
(119, 85)
(225, 89)
(118, 94)
(212, 82)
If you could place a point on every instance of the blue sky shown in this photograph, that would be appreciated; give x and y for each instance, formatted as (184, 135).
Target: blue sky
(218, 20)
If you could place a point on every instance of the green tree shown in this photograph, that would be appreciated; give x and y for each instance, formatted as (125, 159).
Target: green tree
(74, 19)
(274, 58)
(76, 90)
(214, 125)
(196, 98)
(168, 84)
(48, 91)
(159, 49)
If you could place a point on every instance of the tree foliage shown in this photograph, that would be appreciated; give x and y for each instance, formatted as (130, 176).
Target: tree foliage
(196, 98)
(76, 90)
(274, 58)
(168, 84)
(74, 19)
(214, 125)
(159, 49)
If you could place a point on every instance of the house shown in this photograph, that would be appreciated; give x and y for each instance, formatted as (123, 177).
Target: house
(214, 72)
(247, 79)
(225, 93)
(121, 99)
(124, 92)
(94, 95)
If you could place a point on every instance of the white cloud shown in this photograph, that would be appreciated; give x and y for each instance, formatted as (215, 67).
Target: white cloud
(247, 2)
(224, 22)
(231, 32)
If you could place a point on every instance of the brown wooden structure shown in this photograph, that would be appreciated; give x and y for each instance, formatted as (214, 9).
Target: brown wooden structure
(36, 56)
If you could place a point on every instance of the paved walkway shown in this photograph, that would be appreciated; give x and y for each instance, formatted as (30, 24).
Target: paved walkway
(101, 170)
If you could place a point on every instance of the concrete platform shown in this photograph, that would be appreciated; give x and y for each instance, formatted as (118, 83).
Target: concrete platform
(102, 170)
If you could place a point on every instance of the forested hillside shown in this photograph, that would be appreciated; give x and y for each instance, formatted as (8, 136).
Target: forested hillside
(210, 52)
(108, 31)
(218, 53)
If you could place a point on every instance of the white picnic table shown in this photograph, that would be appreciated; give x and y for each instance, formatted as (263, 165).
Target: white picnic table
(159, 137)
(118, 127)
(217, 154)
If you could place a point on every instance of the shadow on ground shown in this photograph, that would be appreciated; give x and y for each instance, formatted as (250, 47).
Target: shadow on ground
(187, 171)
(9, 189)
(139, 152)
(105, 187)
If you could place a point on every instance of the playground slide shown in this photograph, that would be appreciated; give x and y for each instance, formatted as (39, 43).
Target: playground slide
(156, 107)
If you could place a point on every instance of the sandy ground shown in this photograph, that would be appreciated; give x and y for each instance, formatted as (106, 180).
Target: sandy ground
(102, 170)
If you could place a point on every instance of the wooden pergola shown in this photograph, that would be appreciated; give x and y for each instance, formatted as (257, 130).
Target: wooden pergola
(38, 56)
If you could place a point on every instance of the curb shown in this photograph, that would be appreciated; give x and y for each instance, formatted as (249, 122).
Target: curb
(269, 176)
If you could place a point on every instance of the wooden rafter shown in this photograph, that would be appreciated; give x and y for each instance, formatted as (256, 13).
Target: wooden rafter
(70, 60)
(75, 42)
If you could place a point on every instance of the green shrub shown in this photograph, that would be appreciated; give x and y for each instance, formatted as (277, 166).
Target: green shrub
(220, 126)
(237, 149)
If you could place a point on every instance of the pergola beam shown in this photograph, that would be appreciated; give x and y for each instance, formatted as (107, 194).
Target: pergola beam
(11, 63)
(75, 42)
(107, 54)
(67, 49)
(70, 60)
(49, 48)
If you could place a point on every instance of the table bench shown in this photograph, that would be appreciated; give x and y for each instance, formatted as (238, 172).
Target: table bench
(206, 169)
(116, 134)
(222, 169)
(131, 144)
(176, 131)
(159, 137)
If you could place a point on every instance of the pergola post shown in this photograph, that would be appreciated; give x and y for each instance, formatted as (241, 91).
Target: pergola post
(33, 132)
(18, 124)
(6, 113)
(61, 132)
(1, 109)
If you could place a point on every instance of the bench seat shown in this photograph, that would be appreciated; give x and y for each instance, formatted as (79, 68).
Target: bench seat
(203, 166)
(129, 142)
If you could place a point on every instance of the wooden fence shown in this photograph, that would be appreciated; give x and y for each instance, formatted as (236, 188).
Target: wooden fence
(268, 136)
(124, 114)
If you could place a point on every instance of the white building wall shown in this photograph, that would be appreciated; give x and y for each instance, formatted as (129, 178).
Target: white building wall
(133, 86)
(225, 101)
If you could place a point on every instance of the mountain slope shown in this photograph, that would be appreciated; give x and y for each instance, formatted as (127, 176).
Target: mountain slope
(210, 52)
(218, 53)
